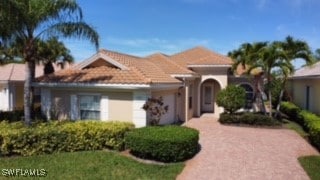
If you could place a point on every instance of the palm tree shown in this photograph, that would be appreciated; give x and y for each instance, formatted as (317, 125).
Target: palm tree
(29, 21)
(52, 51)
(248, 56)
(271, 57)
(293, 49)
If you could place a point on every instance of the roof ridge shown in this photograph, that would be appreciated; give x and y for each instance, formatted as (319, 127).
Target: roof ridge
(120, 53)
(190, 49)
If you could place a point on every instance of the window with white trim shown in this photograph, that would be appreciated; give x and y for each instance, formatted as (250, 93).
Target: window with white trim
(89, 106)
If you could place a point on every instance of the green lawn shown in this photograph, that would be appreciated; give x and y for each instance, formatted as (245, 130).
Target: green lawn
(91, 165)
(311, 165)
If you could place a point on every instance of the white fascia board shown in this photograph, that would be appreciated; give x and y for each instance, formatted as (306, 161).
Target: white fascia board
(208, 65)
(93, 85)
(184, 75)
(104, 57)
(166, 86)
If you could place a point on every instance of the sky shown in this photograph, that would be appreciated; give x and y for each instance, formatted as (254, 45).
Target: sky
(143, 27)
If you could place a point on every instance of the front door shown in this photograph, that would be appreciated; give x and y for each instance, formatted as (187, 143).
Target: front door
(207, 98)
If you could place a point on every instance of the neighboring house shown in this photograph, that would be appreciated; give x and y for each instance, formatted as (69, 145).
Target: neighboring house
(304, 86)
(12, 78)
(114, 86)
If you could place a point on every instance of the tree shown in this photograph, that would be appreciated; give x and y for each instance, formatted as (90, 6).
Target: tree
(269, 57)
(52, 51)
(232, 98)
(29, 21)
(248, 56)
(293, 49)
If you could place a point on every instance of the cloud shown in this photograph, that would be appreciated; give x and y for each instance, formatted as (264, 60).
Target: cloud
(147, 46)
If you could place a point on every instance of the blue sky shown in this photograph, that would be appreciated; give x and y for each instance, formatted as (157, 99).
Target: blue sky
(142, 27)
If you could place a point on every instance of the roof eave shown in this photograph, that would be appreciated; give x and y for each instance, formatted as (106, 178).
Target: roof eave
(93, 85)
(208, 65)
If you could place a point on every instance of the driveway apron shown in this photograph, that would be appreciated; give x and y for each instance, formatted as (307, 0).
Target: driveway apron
(230, 152)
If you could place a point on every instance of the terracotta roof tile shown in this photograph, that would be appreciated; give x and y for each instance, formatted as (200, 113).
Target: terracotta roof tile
(103, 74)
(148, 69)
(200, 56)
(167, 65)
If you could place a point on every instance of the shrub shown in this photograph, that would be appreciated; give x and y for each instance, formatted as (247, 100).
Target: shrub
(312, 126)
(249, 119)
(292, 111)
(163, 143)
(45, 138)
(309, 121)
(155, 109)
(232, 98)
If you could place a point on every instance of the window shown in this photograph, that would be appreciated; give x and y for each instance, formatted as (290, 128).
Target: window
(308, 98)
(207, 94)
(249, 95)
(190, 96)
(89, 107)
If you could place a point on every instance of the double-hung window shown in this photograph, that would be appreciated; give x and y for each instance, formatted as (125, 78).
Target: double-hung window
(89, 106)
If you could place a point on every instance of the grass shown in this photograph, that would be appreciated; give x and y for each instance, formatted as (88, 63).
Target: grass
(91, 165)
(311, 165)
(296, 127)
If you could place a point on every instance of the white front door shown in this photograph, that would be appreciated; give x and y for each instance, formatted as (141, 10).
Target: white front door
(207, 98)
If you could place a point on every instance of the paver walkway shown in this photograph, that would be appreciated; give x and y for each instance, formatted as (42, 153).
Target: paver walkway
(229, 152)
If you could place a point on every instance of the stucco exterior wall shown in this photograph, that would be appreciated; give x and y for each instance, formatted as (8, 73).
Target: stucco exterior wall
(169, 98)
(120, 106)
(298, 90)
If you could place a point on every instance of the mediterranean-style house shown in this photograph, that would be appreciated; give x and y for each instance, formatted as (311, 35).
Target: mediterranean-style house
(304, 86)
(114, 86)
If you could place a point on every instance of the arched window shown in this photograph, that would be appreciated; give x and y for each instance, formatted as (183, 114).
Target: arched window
(249, 95)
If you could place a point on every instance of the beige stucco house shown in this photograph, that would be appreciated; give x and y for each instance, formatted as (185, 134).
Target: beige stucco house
(114, 86)
(304, 86)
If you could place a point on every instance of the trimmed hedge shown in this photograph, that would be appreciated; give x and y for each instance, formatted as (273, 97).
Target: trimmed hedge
(248, 119)
(46, 138)
(292, 111)
(163, 143)
(309, 121)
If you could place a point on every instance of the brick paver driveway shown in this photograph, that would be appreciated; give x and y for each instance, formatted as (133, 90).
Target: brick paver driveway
(229, 152)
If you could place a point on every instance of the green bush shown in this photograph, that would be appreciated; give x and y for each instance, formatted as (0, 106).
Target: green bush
(45, 138)
(163, 143)
(248, 119)
(292, 111)
(312, 126)
(309, 121)
(232, 98)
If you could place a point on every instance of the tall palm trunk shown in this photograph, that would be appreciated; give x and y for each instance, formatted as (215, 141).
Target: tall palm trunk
(27, 92)
(30, 75)
(258, 93)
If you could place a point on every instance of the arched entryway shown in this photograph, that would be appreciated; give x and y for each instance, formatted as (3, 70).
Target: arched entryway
(208, 95)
